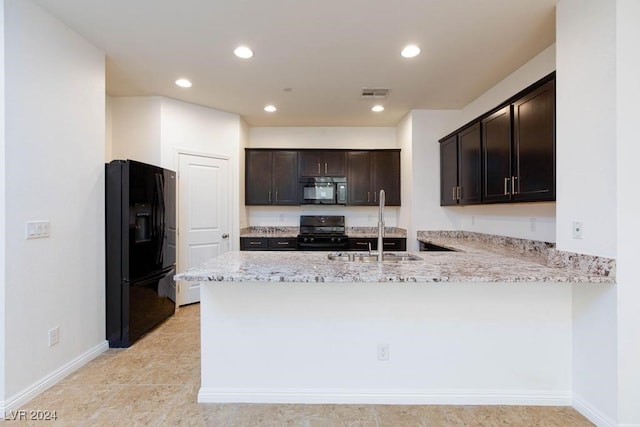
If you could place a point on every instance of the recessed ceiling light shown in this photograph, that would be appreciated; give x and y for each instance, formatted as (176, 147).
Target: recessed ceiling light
(377, 108)
(183, 83)
(243, 52)
(410, 51)
(270, 109)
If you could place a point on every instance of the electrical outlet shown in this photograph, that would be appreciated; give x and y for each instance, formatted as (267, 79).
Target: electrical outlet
(383, 351)
(54, 336)
(577, 229)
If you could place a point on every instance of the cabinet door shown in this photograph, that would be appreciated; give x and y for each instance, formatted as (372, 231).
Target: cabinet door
(496, 136)
(448, 171)
(469, 165)
(534, 145)
(258, 175)
(385, 170)
(359, 178)
(334, 163)
(311, 163)
(285, 178)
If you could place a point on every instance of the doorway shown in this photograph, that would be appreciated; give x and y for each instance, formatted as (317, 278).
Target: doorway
(204, 219)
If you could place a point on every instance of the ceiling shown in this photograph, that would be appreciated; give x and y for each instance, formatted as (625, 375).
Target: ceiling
(312, 58)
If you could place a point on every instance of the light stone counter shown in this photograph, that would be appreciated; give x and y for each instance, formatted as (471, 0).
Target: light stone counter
(296, 327)
(467, 264)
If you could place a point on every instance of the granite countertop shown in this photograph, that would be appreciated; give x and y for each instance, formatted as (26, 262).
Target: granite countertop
(471, 262)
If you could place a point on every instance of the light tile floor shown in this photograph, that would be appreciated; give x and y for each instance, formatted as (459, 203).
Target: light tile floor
(155, 383)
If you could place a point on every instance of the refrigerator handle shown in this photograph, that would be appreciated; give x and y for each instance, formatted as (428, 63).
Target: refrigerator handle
(161, 222)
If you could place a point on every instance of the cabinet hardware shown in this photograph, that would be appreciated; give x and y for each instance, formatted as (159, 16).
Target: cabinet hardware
(506, 186)
(325, 169)
(388, 243)
(362, 243)
(255, 243)
(375, 197)
(458, 192)
(276, 196)
(282, 243)
(513, 185)
(453, 193)
(269, 195)
(368, 196)
(318, 168)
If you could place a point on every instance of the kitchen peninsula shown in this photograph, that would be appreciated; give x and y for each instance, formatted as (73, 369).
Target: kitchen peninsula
(472, 326)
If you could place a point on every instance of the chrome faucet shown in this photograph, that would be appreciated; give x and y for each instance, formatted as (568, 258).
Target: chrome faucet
(380, 252)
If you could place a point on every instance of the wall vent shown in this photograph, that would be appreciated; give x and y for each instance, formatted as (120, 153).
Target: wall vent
(374, 92)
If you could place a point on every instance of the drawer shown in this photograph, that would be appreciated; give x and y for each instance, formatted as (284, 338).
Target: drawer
(390, 244)
(254, 243)
(283, 243)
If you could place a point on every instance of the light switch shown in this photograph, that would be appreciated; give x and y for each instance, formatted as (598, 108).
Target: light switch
(38, 229)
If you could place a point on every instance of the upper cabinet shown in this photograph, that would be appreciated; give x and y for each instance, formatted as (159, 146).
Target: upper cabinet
(496, 137)
(368, 172)
(460, 166)
(534, 145)
(507, 155)
(271, 177)
(322, 163)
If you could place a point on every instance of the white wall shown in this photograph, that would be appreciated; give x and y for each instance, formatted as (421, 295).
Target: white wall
(325, 138)
(628, 234)
(586, 125)
(192, 129)
(463, 343)
(405, 143)
(529, 221)
(244, 143)
(54, 166)
(427, 127)
(3, 160)
(135, 128)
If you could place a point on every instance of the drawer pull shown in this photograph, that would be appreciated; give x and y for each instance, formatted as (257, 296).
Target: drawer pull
(283, 243)
(255, 243)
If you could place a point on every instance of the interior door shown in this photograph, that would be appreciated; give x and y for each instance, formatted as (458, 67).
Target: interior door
(204, 219)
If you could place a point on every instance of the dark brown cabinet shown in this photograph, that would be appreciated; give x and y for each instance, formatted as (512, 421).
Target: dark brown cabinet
(268, 243)
(460, 167)
(322, 163)
(534, 159)
(507, 155)
(496, 137)
(390, 243)
(368, 172)
(271, 177)
(519, 149)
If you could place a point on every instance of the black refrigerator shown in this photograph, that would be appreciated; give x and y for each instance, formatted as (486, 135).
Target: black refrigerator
(140, 249)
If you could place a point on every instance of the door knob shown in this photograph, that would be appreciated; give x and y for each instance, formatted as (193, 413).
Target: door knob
(225, 235)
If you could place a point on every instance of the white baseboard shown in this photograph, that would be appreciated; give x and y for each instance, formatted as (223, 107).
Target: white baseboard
(591, 413)
(19, 399)
(393, 397)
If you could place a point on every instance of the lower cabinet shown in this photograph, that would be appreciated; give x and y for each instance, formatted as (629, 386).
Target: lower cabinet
(268, 243)
(390, 243)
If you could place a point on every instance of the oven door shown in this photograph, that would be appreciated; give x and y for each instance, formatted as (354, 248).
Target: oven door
(317, 194)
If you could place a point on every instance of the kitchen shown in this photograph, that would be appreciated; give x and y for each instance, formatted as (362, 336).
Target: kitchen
(592, 160)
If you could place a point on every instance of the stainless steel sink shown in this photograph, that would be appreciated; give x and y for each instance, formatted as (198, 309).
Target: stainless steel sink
(365, 257)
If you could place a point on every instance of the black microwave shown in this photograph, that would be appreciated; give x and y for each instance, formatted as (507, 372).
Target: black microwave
(323, 191)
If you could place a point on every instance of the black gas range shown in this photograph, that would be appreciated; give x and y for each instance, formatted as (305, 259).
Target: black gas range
(322, 233)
